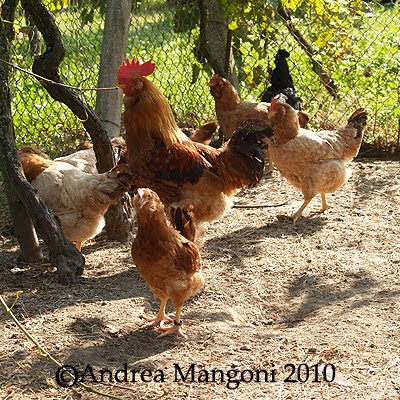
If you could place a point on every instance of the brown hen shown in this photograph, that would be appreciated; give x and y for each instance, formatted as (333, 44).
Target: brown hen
(167, 261)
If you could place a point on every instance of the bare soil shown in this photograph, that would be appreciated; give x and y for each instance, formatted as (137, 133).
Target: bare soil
(325, 290)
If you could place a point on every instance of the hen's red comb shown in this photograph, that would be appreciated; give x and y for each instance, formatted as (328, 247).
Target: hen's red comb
(274, 105)
(127, 69)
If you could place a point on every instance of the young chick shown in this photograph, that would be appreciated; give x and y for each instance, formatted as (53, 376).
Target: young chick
(167, 261)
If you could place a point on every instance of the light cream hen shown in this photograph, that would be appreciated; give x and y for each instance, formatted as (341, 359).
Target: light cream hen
(313, 162)
(167, 261)
(85, 159)
(77, 198)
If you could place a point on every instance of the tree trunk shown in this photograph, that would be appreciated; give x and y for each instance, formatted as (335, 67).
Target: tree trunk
(109, 103)
(62, 253)
(115, 42)
(213, 38)
(24, 230)
(118, 224)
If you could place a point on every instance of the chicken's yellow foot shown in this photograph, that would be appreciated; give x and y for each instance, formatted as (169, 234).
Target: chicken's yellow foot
(298, 213)
(160, 318)
(325, 205)
(177, 327)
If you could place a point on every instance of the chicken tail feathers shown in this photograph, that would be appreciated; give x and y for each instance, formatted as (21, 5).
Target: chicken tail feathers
(118, 181)
(247, 145)
(358, 120)
(204, 133)
(182, 220)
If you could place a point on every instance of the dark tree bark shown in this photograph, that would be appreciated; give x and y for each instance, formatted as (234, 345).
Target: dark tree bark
(24, 230)
(118, 223)
(62, 253)
(213, 38)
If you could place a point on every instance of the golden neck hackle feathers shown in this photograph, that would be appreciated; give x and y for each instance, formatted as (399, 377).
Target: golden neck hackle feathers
(285, 124)
(150, 117)
(228, 98)
(150, 213)
(33, 164)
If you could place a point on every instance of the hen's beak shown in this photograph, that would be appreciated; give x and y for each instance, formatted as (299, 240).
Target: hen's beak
(120, 85)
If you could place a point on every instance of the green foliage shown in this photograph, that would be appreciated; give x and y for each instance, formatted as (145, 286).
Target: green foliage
(87, 10)
(186, 16)
(356, 42)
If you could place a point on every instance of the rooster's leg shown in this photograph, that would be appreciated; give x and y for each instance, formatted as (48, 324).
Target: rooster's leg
(325, 205)
(298, 213)
(161, 317)
(176, 328)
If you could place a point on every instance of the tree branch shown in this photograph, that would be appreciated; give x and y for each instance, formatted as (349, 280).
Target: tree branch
(118, 223)
(326, 80)
(47, 65)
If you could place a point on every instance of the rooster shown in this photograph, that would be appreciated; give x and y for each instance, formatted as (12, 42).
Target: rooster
(313, 162)
(183, 173)
(167, 261)
(77, 198)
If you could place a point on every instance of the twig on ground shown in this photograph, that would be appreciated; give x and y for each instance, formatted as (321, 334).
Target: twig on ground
(48, 356)
(260, 205)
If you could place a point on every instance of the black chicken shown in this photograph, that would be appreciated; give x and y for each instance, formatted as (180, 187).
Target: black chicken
(282, 83)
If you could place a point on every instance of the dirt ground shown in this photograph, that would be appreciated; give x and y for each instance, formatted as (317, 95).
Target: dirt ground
(325, 290)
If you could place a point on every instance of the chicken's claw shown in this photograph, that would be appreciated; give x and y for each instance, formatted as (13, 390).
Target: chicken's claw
(175, 329)
(325, 205)
(159, 320)
(323, 209)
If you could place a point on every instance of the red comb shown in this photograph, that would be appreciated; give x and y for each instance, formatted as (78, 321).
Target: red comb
(127, 69)
(274, 104)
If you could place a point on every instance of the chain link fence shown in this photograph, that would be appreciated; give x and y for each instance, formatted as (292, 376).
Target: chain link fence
(355, 44)
(39, 120)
